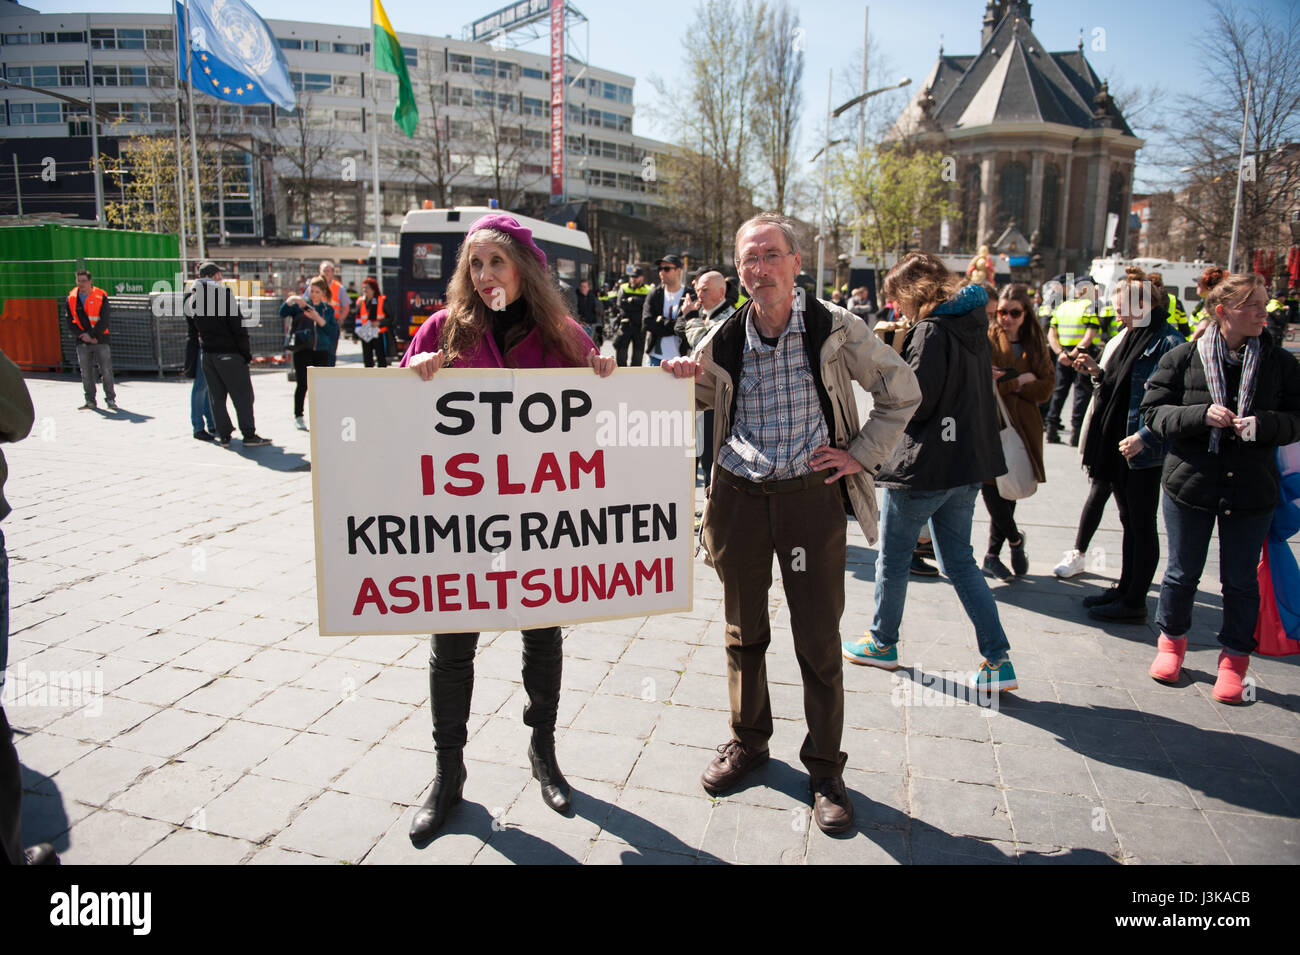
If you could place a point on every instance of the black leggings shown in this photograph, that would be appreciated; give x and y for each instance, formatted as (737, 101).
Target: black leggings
(302, 360)
(1002, 519)
(451, 683)
(1137, 496)
(1090, 519)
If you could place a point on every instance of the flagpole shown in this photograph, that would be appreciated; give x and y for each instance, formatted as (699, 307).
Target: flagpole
(194, 146)
(94, 130)
(374, 141)
(180, 165)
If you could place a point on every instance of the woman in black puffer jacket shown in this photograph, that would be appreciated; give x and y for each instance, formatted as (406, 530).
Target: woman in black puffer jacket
(1227, 402)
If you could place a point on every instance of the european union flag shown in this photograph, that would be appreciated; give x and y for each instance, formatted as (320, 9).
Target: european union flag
(236, 57)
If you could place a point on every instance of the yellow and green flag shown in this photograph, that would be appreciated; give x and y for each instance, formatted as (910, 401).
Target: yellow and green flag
(389, 58)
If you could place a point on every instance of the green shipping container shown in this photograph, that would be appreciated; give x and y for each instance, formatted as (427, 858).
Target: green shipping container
(39, 261)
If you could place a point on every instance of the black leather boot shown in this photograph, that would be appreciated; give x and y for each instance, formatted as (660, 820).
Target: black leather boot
(543, 666)
(448, 787)
(451, 684)
(546, 770)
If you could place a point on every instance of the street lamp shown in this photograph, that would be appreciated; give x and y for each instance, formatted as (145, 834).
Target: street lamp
(905, 81)
(825, 150)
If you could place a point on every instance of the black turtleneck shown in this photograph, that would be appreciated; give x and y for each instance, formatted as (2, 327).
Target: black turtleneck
(510, 325)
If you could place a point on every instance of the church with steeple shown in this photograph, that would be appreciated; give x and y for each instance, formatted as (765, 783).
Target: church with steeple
(1037, 140)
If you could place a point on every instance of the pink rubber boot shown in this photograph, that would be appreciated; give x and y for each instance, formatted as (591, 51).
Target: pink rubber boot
(1169, 659)
(1228, 688)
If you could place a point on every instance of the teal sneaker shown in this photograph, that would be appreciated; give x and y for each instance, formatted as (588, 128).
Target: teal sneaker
(998, 678)
(866, 652)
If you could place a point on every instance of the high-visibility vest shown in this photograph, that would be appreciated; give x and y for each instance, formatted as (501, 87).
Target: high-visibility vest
(1272, 306)
(95, 300)
(1107, 324)
(1071, 319)
(335, 287)
(1177, 317)
(380, 316)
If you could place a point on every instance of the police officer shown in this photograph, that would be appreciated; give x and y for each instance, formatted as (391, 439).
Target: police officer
(1278, 315)
(88, 309)
(1073, 331)
(631, 303)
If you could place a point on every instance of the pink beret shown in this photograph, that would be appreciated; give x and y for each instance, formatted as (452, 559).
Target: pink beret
(511, 227)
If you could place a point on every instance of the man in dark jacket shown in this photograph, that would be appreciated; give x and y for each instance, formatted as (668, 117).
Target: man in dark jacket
(216, 323)
(663, 307)
(949, 448)
(589, 311)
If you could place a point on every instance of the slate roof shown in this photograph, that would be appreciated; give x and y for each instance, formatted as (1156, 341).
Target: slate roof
(1011, 80)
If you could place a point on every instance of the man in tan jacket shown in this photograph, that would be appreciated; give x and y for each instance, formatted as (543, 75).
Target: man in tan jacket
(789, 455)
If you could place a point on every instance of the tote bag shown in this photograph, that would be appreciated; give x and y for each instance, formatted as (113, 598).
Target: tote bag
(1019, 481)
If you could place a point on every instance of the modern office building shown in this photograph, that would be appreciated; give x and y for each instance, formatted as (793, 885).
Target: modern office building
(483, 133)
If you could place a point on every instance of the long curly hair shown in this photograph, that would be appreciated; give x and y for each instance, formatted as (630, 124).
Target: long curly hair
(469, 319)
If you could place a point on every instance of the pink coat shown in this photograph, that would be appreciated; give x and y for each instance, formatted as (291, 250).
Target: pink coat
(529, 353)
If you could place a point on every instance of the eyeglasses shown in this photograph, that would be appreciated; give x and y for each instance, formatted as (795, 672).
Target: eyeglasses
(770, 259)
(667, 268)
(1012, 312)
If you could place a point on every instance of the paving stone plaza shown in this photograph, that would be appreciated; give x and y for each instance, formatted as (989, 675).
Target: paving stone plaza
(167, 587)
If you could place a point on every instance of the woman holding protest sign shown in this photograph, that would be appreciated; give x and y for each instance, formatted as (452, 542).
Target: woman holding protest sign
(503, 311)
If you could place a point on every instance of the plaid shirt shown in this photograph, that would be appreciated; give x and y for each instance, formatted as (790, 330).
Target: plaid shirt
(779, 420)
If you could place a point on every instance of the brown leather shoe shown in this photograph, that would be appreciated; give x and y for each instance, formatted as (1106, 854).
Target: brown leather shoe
(832, 807)
(733, 761)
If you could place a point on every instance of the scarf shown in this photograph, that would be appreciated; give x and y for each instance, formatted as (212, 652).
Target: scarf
(968, 297)
(1213, 349)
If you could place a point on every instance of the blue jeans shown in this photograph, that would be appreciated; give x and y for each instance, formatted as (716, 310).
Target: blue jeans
(200, 407)
(949, 512)
(1241, 538)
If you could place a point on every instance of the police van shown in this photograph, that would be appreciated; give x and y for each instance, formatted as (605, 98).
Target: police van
(431, 239)
(1180, 278)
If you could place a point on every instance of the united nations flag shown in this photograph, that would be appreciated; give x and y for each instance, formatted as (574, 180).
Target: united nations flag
(235, 56)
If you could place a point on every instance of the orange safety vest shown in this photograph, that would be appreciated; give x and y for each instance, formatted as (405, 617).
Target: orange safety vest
(380, 315)
(94, 305)
(335, 287)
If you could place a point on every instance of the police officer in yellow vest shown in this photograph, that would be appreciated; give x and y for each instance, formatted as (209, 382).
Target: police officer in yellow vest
(631, 302)
(1074, 330)
(88, 310)
(1278, 315)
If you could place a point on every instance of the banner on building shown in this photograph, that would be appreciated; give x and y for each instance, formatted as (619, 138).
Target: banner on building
(499, 499)
(557, 100)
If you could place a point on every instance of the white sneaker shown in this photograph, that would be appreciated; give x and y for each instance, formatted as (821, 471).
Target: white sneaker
(1071, 564)
(302, 425)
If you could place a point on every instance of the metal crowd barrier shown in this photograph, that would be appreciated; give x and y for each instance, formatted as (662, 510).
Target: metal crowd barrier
(148, 332)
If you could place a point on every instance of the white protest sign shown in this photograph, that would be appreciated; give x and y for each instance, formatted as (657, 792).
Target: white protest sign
(499, 499)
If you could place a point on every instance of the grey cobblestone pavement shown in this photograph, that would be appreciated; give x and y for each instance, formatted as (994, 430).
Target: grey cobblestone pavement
(175, 581)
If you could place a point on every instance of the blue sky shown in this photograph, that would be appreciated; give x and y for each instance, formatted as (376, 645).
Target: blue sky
(1134, 44)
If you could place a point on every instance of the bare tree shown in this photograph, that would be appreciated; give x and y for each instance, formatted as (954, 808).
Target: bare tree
(778, 103)
(311, 152)
(710, 114)
(428, 156)
(497, 135)
(1257, 45)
